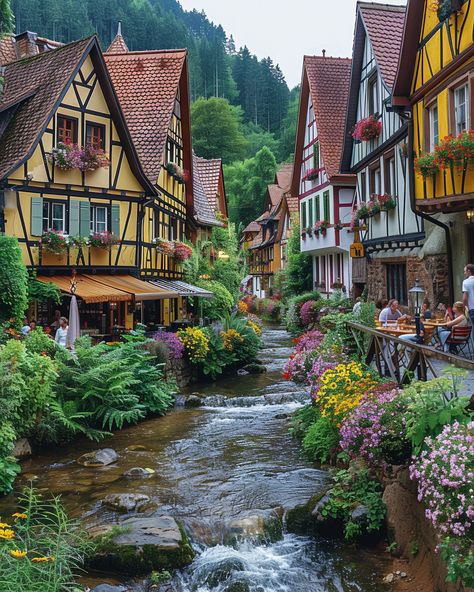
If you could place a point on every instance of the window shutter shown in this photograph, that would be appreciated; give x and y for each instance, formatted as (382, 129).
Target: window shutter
(74, 217)
(326, 205)
(36, 216)
(84, 218)
(115, 219)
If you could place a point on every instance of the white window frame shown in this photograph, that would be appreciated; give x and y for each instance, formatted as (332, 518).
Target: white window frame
(434, 126)
(95, 223)
(48, 221)
(459, 106)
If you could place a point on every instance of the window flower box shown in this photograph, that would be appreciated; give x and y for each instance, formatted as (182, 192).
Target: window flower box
(303, 235)
(312, 174)
(309, 231)
(178, 173)
(387, 202)
(164, 246)
(182, 251)
(54, 242)
(103, 240)
(367, 129)
(67, 156)
(339, 225)
(427, 165)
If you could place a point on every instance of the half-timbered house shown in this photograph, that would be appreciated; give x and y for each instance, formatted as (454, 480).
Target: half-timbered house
(152, 87)
(325, 195)
(435, 83)
(72, 185)
(376, 150)
(209, 199)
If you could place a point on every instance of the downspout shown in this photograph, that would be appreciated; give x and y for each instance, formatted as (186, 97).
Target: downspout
(445, 227)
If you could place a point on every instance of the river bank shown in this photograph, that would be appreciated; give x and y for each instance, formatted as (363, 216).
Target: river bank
(214, 465)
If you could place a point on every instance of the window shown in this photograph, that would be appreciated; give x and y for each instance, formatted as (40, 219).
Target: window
(389, 173)
(316, 155)
(397, 282)
(375, 180)
(67, 129)
(373, 95)
(99, 219)
(54, 216)
(434, 133)
(95, 135)
(326, 209)
(310, 212)
(461, 108)
(363, 186)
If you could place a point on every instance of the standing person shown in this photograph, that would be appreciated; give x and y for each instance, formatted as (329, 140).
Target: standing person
(55, 324)
(468, 290)
(61, 332)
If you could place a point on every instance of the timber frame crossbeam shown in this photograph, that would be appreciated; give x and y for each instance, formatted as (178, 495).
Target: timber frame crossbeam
(400, 360)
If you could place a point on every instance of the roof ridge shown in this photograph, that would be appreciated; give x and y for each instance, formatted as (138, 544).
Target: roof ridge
(320, 57)
(147, 52)
(44, 54)
(382, 7)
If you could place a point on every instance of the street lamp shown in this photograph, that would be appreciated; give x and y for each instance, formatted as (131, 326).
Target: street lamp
(417, 295)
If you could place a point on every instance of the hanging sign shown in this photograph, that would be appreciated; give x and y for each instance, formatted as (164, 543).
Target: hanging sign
(356, 250)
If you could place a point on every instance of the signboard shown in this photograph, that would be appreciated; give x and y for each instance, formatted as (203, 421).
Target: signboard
(356, 250)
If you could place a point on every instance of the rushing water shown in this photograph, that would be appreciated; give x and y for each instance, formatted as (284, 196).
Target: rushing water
(228, 459)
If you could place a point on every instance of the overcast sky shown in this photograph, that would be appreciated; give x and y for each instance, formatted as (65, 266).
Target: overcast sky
(285, 30)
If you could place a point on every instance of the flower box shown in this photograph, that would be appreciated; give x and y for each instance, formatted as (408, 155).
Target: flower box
(178, 173)
(103, 240)
(164, 246)
(312, 174)
(67, 156)
(387, 202)
(453, 151)
(367, 129)
(54, 242)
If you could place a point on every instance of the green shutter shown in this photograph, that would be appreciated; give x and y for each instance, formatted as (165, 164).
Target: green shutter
(318, 209)
(115, 219)
(310, 212)
(73, 217)
(303, 216)
(84, 218)
(326, 205)
(36, 216)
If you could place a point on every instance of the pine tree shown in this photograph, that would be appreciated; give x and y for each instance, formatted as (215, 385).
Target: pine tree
(7, 20)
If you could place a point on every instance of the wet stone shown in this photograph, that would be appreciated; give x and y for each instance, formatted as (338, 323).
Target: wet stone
(98, 458)
(257, 528)
(255, 368)
(138, 473)
(22, 448)
(193, 401)
(135, 447)
(108, 588)
(126, 502)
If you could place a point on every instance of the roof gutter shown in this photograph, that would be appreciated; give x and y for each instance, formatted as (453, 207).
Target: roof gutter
(445, 227)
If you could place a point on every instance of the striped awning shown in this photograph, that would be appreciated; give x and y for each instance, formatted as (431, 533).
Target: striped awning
(139, 289)
(183, 288)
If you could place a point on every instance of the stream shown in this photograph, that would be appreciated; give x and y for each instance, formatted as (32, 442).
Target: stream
(229, 458)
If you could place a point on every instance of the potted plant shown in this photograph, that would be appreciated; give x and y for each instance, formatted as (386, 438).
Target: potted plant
(55, 242)
(367, 129)
(182, 251)
(374, 205)
(303, 234)
(103, 240)
(363, 211)
(175, 171)
(427, 165)
(339, 225)
(445, 8)
(309, 231)
(387, 202)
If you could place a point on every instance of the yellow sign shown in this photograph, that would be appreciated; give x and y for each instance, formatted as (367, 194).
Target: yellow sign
(356, 250)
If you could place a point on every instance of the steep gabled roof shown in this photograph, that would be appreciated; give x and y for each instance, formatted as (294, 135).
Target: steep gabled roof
(147, 83)
(36, 86)
(326, 81)
(283, 175)
(384, 24)
(7, 50)
(252, 227)
(292, 203)
(203, 211)
(210, 173)
(118, 44)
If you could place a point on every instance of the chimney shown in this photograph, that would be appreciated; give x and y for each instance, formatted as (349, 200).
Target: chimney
(25, 45)
(324, 53)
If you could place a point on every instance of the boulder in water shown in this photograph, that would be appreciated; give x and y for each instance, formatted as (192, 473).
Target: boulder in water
(259, 528)
(139, 473)
(108, 588)
(135, 447)
(214, 573)
(255, 368)
(302, 519)
(192, 401)
(139, 545)
(22, 448)
(98, 458)
(238, 587)
(126, 502)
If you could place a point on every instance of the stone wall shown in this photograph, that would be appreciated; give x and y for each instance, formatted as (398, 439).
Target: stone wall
(431, 270)
(181, 371)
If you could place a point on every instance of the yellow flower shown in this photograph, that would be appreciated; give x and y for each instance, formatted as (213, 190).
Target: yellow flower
(19, 515)
(18, 554)
(4, 525)
(42, 559)
(6, 533)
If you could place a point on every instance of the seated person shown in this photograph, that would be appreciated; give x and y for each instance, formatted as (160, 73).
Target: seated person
(413, 337)
(460, 320)
(392, 314)
(426, 313)
(25, 328)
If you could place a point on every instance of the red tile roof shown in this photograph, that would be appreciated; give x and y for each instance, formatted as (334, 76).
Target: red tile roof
(7, 50)
(204, 212)
(41, 79)
(293, 204)
(329, 80)
(384, 24)
(252, 227)
(146, 83)
(209, 172)
(118, 45)
(283, 175)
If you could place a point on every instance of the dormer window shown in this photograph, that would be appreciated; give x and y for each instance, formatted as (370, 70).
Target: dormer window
(67, 130)
(95, 135)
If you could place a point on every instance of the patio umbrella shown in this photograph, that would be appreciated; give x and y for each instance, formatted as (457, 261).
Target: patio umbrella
(73, 331)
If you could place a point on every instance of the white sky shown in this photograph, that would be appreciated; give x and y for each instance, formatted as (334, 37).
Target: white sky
(285, 30)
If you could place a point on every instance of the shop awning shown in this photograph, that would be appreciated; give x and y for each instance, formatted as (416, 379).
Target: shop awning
(139, 289)
(88, 290)
(183, 288)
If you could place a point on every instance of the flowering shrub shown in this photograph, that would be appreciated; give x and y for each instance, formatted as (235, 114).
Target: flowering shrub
(173, 343)
(255, 328)
(308, 313)
(196, 343)
(68, 156)
(242, 307)
(182, 251)
(342, 389)
(308, 341)
(375, 429)
(103, 240)
(231, 338)
(55, 242)
(367, 129)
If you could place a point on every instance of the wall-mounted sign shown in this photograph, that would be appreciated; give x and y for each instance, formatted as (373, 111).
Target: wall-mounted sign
(356, 250)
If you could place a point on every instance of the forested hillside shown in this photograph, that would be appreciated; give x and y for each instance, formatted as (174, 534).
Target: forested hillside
(256, 89)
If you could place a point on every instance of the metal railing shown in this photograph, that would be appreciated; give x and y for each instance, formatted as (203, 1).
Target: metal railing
(401, 360)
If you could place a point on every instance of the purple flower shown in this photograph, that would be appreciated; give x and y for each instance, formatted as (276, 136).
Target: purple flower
(175, 347)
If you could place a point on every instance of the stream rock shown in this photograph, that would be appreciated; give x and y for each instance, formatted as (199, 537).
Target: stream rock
(22, 448)
(255, 368)
(98, 458)
(126, 502)
(238, 587)
(214, 573)
(193, 401)
(139, 545)
(265, 527)
(108, 588)
(138, 473)
(306, 519)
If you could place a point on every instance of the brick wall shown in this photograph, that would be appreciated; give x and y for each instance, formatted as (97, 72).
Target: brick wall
(431, 271)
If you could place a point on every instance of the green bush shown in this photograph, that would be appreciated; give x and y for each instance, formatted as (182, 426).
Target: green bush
(220, 305)
(229, 274)
(217, 358)
(37, 342)
(13, 281)
(246, 351)
(321, 440)
(303, 419)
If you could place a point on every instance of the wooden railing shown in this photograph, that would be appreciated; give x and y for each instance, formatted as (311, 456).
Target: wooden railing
(401, 360)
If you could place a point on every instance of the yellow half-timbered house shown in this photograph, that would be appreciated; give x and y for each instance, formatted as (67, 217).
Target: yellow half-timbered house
(72, 185)
(435, 82)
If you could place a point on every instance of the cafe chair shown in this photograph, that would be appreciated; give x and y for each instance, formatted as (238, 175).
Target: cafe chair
(460, 340)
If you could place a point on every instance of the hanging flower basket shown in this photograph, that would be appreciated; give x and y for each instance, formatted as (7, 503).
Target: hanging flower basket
(367, 129)
(67, 156)
(182, 251)
(164, 246)
(175, 171)
(427, 165)
(363, 211)
(103, 240)
(54, 242)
